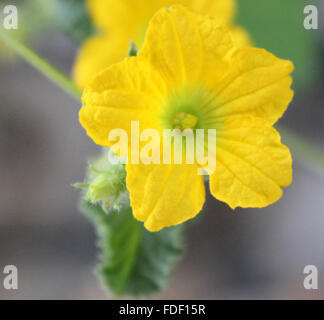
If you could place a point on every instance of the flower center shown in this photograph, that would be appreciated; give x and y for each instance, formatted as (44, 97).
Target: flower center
(183, 121)
(187, 108)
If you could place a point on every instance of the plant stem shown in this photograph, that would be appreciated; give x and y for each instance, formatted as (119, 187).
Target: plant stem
(42, 65)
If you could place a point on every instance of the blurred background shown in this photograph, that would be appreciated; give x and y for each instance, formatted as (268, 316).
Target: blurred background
(246, 254)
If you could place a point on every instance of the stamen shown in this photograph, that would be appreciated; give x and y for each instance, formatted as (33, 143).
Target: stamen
(184, 121)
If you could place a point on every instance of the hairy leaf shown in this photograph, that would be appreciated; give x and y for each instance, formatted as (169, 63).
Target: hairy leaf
(133, 261)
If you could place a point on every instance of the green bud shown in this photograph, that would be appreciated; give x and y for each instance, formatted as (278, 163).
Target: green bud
(106, 183)
(132, 51)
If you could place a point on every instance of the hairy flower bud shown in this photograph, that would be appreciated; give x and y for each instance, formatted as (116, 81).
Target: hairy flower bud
(106, 183)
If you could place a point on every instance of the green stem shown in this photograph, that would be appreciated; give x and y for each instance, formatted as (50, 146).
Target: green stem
(43, 66)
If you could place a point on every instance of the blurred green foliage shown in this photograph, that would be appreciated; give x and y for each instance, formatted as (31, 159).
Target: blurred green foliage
(278, 26)
(133, 261)
(72, 17)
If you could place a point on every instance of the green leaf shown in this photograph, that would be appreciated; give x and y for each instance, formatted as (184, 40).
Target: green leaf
(133, 261)
(278, 26)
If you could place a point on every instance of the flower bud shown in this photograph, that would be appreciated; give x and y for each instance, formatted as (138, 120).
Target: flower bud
(106, 183)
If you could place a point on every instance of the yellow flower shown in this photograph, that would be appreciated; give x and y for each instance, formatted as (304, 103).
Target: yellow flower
(123, 20)
(189, 74)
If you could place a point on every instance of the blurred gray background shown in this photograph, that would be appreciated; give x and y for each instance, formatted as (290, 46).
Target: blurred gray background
(257, 254)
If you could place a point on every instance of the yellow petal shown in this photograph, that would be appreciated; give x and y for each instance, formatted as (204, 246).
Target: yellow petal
(98, 53)
(186, 47)
(165, 195)
(132, 15)
(101, 51)
(101, 9)
(252, 164)
(125, 92)
(240, 37)
(258, 83)
(128, 16)
(222, 10)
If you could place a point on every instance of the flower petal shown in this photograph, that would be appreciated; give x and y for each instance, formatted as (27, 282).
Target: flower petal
(165, 195)
(186, 47)
(241, 37)
(223, 10)
(125, 92)
(101, 51)
(98, 53)
(252, 164)
(115, 15)
(135, 13)
(258, 84)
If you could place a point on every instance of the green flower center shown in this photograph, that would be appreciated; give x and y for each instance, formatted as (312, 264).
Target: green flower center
(187, 108)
